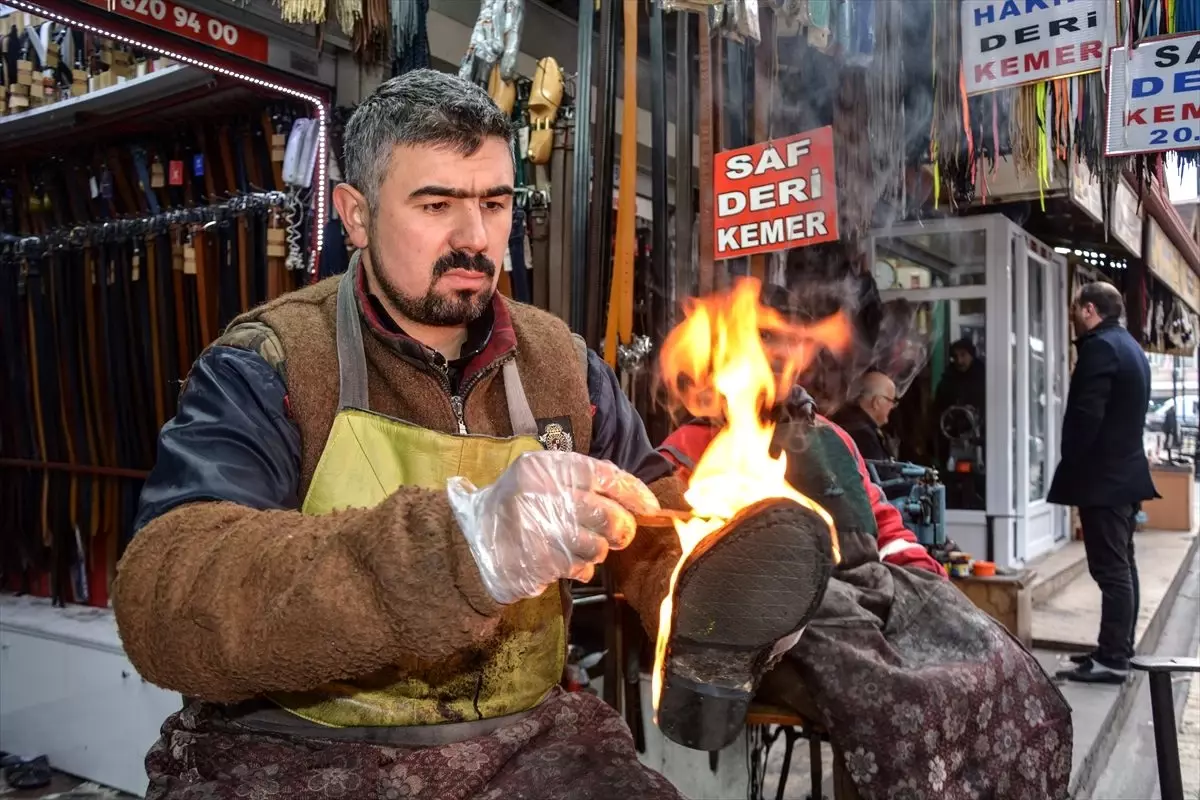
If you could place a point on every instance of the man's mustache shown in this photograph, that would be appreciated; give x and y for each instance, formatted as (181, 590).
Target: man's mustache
(457, 259)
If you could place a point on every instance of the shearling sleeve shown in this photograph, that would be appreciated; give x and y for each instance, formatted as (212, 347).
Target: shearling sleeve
(227, 591)
(643, 570)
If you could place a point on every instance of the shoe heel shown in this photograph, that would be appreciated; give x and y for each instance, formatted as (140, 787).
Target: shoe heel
(701, 716)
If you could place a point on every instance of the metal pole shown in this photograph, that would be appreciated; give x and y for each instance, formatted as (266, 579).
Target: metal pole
(1166, 741)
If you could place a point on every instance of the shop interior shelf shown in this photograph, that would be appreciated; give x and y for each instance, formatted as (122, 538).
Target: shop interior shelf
(57, 118)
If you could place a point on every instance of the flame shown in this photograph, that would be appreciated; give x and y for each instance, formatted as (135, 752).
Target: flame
(732, 358)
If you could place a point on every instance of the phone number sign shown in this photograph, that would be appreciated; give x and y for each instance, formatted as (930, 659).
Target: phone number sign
(195, 25)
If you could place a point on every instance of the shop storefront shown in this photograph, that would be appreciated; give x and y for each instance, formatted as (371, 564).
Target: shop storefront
(164, 168)
(986, 281)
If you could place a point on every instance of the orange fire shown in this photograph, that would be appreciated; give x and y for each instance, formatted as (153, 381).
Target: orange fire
(731, 358)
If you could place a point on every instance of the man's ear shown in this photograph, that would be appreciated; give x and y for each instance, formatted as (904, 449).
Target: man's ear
(352, 209)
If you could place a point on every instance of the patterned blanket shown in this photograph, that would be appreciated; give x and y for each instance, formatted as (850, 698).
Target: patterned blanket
(573, 747)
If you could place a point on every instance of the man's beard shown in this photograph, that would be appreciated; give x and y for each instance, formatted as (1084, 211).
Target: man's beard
(432, 308)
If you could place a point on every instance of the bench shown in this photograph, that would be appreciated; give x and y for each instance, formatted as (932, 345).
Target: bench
(792, 726)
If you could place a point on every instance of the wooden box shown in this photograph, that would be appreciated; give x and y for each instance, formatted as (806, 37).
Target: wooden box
(1175, 510)
(1008, 599)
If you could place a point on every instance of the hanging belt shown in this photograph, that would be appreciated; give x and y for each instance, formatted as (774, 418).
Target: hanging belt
(516, 256)
(559, 222)
(619, 329)
(683, 278)
(581, 173)
(539, 249)
(599, 236)
(566, 207)
(764, 87)
(657, 299)
(705, 234)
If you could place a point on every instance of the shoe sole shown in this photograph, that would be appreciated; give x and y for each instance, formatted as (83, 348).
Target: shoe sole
(742, 598)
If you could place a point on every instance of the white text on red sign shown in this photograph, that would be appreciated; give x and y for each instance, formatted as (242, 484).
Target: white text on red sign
(768, 195)
(218, 31)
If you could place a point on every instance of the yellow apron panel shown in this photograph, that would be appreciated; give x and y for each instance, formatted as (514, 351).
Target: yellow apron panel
(366, 458)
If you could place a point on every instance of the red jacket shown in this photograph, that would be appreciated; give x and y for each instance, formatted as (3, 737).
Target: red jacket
(897, 545)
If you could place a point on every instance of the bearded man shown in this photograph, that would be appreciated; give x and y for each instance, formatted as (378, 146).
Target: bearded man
(352, 551)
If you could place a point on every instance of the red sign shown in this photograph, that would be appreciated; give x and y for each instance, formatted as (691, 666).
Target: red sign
(775, 195)
(195, 25)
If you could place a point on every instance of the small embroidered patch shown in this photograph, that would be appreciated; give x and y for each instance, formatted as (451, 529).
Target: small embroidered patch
(556, 434)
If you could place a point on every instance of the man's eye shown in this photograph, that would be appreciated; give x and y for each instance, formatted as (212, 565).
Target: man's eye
(436, 207)
(494, 205)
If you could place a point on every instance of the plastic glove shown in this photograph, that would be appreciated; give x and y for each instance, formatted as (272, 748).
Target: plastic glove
(551, 515)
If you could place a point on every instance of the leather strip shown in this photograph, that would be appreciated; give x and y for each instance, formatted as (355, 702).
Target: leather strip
(600, 207)
(539, 253)
(764, 87)
(682, 280)
(655, 296)
(556, 265)
(705, 234)
(619, 328)
(581, 173)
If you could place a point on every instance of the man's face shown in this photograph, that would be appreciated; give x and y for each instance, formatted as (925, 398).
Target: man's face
(1082, 315)
(961, 359)
(438, 236)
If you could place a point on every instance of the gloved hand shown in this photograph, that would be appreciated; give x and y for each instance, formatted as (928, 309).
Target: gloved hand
(551, 515)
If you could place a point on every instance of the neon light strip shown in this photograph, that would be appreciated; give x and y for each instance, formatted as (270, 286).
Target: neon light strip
(322, 188)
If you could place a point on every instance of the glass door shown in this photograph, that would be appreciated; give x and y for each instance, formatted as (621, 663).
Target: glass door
(953, 413)
(986, 407)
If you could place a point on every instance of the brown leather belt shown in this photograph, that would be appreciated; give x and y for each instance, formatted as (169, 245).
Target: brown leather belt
(558, 278)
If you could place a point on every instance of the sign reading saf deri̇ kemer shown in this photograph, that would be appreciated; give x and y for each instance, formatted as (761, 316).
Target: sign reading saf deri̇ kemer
(775, 195)
(1154, 96)
(1013, 42)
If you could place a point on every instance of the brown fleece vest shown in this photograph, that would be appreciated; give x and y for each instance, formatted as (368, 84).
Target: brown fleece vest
(305, 323)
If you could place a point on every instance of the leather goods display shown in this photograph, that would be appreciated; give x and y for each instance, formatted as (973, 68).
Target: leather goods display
(122, 255)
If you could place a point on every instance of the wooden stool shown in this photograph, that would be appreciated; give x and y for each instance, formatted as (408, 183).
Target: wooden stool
(792, 726)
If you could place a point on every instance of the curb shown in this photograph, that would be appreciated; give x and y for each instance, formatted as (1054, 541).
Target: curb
(1110, 730)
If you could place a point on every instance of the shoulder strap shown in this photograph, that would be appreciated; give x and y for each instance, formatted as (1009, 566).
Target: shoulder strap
(581, 352)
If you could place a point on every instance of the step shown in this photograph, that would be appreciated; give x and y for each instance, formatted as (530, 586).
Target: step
(1056, 570)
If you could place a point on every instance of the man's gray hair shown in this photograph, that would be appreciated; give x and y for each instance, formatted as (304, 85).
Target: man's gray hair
(421, 107)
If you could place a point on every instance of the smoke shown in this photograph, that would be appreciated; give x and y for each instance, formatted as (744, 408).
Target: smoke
(822, 282)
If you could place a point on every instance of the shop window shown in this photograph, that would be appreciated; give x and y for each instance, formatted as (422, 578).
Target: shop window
(940, 420)
(1039, 381)
(931, 260)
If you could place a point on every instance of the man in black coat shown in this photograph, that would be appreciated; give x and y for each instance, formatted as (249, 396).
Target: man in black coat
(1104, 471)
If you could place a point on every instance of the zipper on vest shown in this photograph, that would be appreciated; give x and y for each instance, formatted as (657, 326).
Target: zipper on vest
(456, 403)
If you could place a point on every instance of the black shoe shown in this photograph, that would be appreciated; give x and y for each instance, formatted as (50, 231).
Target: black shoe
(742, 597)
(1082, 658)
(1093, 672)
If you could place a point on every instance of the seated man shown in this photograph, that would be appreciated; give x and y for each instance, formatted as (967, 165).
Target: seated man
(313, 565)
(864, 417)
(926, 695)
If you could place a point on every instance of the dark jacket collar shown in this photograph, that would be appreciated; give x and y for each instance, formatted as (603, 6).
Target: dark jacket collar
(489, 338)
(1105, 325)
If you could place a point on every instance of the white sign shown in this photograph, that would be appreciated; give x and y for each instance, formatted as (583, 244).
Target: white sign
(1013, 42)
(1154, 97)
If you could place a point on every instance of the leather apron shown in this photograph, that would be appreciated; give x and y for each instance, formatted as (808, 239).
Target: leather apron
(366, 458)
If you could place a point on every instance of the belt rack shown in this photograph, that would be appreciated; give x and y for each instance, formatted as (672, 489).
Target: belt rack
(127, 229)
(107, 318)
